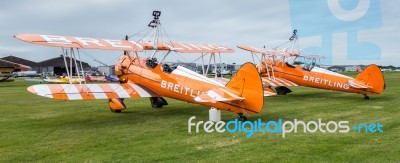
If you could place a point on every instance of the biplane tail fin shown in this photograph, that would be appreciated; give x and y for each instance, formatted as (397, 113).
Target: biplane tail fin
(247, 83)
(372, 77)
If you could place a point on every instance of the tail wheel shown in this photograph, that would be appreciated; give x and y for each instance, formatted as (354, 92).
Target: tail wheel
(116, 105)
(241, 117)
(282, 90)
(115, 111)
(158, 102)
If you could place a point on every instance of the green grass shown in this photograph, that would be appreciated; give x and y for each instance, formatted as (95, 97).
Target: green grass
(34, 128)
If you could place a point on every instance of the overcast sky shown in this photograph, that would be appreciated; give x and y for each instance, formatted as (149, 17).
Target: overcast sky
(224, 22)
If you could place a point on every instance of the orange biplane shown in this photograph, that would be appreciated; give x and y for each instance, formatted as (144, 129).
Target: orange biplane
(7, 71)
(277, 70)
(146, 77)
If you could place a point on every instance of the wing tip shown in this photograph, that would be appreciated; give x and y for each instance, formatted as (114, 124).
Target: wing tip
(31, 89)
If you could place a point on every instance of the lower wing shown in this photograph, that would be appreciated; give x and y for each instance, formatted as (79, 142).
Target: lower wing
(91, 91)
(269, 92)
(276, 82)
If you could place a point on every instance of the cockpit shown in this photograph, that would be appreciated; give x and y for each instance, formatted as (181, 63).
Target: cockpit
(151, 62)
(166, 68)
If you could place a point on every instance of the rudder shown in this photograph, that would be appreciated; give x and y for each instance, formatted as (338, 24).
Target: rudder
(372, 76)
(247, 83)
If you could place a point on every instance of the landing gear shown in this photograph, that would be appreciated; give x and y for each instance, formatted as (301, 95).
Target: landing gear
(282, 90)
(158, 102)
(116, 105)
(241, 117)
(115, 111)
(5, 78)
(366, 97)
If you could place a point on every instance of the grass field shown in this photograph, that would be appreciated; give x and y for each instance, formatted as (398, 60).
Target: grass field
(34, 128)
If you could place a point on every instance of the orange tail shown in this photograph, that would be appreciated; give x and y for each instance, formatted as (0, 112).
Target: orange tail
(247, 83)
(373, 77)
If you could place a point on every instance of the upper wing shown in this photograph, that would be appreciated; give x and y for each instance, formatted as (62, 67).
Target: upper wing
(90, 91)
(107, 44)
(277, 82)
(217, 94)
(16, 64)
(78, 42)
(251, 49)
(268, 51)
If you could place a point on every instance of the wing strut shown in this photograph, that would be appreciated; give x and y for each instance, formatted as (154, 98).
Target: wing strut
(64, 54)
(72, 61)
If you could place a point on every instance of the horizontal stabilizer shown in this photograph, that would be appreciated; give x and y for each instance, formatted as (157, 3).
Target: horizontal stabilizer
(358, 84)
(217, 94)
(221, 80)
(276, 82)
(90, 91)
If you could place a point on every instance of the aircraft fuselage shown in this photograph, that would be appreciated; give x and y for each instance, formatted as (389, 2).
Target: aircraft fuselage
(177, 84)
(321, 80)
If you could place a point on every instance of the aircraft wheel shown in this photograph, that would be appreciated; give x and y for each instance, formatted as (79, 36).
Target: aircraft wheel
(115, 111)
(282, 90)
(242, 117)
(158, 102)
(366, 97)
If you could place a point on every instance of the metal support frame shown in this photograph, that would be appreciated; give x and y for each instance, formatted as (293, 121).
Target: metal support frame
(252, 56)
(70, 66)
(76, 66)
(215, 65)
(209, 63)
(80, 62)
(165, 56)
(65, 62)
(202, 65)
(72, 61)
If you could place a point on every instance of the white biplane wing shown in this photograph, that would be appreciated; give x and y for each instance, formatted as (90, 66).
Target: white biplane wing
(268, 51)
(276, 82)
(91, 91)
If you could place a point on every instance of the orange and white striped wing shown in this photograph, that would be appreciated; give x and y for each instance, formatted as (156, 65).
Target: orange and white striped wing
(269, 92)
(277, 82)
(109, 44)
(91, 91)
(251, 49)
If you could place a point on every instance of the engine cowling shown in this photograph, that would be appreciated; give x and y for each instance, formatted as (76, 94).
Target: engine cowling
(117, 104)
